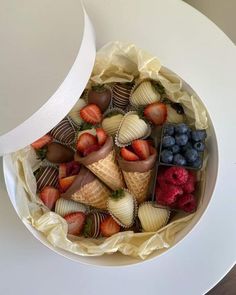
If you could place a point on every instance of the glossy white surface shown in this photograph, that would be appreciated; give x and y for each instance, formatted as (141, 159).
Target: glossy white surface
(35, 93)
(200, 53)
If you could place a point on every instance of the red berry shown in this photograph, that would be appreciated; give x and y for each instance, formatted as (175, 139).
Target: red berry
(65, 183)
(109, 227)
(49, 195)
(128, 155)
(90, 149)
(41, 142)
(72, 168)
(168, 195)
(156, 112)
(75, 222)
(101, 136)
(187, 203)
(85, 140)
(91, 114)
(141, 148)
(62, 170)
(176, 175)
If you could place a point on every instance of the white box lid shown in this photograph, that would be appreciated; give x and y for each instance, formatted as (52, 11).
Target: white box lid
(47, 54)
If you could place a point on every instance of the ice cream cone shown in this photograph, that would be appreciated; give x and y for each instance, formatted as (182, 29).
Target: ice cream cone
(104, 165)
(138, 175)
(88, 190)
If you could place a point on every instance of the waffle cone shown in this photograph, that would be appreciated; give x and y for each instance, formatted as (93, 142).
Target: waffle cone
(93, 194)
(138, 184)
(108, 171)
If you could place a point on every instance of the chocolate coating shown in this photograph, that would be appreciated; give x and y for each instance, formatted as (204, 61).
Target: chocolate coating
(138, 166)
(58, 153)
(84, 177)
(101, 98)
(64, 132)
(97, 155)
(47, 176)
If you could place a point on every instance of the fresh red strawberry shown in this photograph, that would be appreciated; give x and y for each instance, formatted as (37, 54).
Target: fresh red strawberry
(72, 168)
(101, 136)
(65, 183)
(109, 227)
(128, 155)
(141, 148)
(75, 222)
(62, 170)
(41, 142)
(152, 150)
(156, 112)
(91, 114)
(49, 195)
(85, 140)
(90, 149)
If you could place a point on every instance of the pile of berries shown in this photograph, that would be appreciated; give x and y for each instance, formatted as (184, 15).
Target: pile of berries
(175, 187)
(182, 146)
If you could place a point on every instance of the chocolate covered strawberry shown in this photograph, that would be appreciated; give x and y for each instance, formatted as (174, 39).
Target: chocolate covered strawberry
(56, 153)
(100, 96)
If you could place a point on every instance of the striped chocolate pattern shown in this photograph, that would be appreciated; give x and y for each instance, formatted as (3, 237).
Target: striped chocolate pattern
(97, 218)
(64, 132)
(120, 95)
(47, 176)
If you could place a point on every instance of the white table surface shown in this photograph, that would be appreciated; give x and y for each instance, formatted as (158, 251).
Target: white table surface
(197, 50)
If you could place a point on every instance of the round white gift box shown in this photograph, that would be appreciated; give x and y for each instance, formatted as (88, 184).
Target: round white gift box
(35, 124)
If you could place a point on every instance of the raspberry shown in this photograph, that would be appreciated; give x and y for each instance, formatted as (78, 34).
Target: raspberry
(161, 180)
(168, 194)
(189, 186)
(176, 175)
(187, 203)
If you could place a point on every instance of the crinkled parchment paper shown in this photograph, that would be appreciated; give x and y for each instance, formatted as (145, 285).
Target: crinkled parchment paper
(116, 62)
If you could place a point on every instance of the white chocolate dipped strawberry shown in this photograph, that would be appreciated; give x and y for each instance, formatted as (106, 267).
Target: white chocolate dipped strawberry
(152, 218)
(64, 207)
(131, 127)
(122, 206)
(144, 94)
(111, 124)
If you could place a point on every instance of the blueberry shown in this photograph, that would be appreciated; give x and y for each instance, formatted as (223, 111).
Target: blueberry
(179, 160)
(168, 129)
(199, 135)
(187, 146)
(181, 128)
(199, 146)
(168, 141)
(166, 156)
(181, 139)
(197, 163)
(191, 155)
(175, 149)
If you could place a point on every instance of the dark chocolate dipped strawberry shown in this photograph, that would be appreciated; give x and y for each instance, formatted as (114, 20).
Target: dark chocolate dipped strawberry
(64, 132)
(92, 224)
(46, 176)
(101, 96)
(120, 94)
(56, 153)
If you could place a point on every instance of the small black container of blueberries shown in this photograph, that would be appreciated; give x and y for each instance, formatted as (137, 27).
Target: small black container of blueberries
(182, 145)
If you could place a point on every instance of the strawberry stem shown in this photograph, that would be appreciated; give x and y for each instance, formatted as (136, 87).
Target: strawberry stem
(116, 195)
(85, 126)
(41, 153)
(99, 88)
